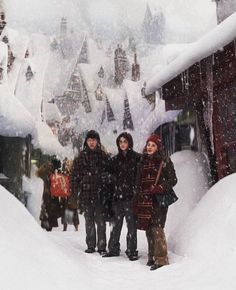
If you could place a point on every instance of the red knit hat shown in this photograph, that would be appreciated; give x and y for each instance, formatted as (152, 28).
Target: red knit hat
(155, 138)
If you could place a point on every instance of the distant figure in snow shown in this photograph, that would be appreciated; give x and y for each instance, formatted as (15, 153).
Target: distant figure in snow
(51, 207)
(70, 204)
(124, 171)
(156, 178)
(91, 164)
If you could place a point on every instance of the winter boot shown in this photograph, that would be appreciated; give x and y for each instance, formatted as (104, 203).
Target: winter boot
(102, 252)
(76, 228)
(111, 254)
(150, 263)
(133, 257)
(155, 267)
(90, 250)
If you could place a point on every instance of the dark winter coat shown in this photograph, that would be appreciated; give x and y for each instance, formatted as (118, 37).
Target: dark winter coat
(51, 208)
(86, 175)
(72, 201)
(149, 212)
(124, 171)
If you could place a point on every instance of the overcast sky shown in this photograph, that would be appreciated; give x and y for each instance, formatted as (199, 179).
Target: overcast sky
(183, 16)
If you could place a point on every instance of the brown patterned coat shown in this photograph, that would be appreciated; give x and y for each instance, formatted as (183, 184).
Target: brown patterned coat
(147, 209)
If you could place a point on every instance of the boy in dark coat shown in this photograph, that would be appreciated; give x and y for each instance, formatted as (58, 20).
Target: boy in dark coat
(87, 169)
(124, 170)
(150, 211)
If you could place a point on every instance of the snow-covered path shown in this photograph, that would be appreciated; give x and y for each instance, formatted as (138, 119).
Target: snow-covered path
(116, 272)
(120, 273)
(201, 241)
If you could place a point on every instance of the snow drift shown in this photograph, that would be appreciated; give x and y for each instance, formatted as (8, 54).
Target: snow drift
(28, 255)
(201, 228)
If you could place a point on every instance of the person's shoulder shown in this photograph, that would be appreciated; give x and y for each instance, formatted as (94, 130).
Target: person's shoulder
(115, 158)
(104, 154)
(82, 153)
(80, 157)
(167, 161)
(136, 155)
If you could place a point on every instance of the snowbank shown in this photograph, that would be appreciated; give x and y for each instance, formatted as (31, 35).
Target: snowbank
(34, 188)
(28, 255)
(210, 230)
(204, 243)
(192, 171)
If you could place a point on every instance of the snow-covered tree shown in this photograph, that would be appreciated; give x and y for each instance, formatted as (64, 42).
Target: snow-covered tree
(83, 56)
(127, 121)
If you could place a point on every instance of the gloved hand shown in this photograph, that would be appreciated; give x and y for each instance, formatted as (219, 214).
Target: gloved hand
(157, 189)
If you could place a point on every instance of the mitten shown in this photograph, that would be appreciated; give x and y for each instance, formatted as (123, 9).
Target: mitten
(157, 189)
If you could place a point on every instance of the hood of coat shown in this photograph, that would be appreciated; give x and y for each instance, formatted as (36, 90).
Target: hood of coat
(93, 135)
(128, 137)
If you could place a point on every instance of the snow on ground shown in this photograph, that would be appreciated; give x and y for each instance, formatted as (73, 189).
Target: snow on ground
(29, 258)
(202, 251)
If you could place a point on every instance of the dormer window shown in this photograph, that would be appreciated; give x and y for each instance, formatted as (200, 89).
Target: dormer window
(5, 39)
(2, 16)
(1, 74)
(27, 53)
(29, 74)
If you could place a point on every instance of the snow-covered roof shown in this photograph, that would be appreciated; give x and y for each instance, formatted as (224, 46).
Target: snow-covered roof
(30, 92)
(48, 142)
(158, 117)
(51, 112)
(15, 120)
(217, 38)
(17, 42)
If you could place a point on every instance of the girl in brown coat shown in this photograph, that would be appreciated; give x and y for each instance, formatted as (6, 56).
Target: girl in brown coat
(150, 208)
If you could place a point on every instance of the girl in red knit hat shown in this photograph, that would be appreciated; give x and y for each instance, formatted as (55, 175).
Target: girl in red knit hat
(155, 193)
